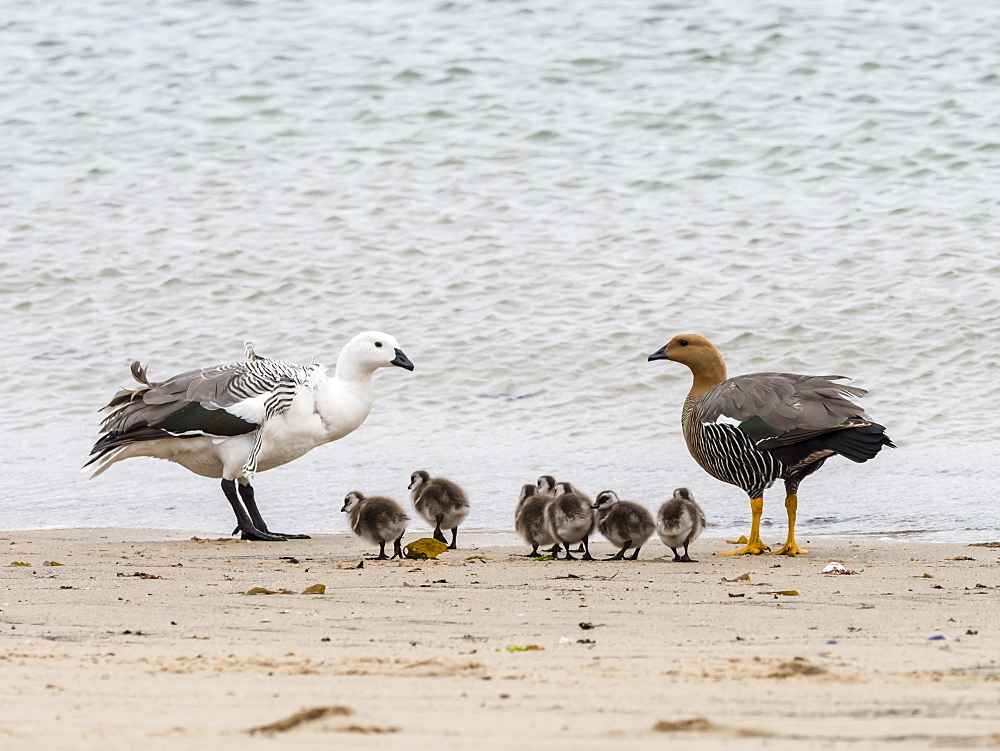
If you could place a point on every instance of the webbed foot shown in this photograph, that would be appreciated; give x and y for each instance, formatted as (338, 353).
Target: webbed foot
(754, 547)
(790, 548)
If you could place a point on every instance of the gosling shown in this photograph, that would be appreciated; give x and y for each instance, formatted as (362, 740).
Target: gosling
(570, 518)
(439, 502)
(546, 485)
(529, 520)
(625, 524)
(679, 521)
(377, 520)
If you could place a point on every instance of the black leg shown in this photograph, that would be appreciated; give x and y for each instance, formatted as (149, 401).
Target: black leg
(534, 552)
(585, 546)
(635, 554)
(454, 537)
(438, 534)
(677, 556)
(381, 552)
(687, 558)
(243, 521)
(397, 548)
(621, 553)
(569, 554)
(247, 494)
(555, 549)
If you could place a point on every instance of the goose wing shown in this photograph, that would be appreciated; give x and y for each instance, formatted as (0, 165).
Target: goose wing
(773, 404)
(224, 400)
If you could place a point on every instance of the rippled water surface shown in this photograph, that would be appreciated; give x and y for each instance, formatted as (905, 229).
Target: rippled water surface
(531, 197)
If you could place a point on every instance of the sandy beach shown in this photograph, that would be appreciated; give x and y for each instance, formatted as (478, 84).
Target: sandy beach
(152, 638)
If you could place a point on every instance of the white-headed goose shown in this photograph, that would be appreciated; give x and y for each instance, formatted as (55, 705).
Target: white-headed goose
(231, 421)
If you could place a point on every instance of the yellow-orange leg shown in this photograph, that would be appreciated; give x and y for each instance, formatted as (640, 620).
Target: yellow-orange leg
(754, 544)
(790, 548)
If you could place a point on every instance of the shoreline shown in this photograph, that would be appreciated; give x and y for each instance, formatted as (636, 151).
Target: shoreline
(156, 641)
(510, 538)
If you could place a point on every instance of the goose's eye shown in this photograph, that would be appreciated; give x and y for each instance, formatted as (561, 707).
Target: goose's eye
(683, 342)
(379, 344)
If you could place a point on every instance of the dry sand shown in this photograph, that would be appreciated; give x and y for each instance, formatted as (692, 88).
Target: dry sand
(143, 641)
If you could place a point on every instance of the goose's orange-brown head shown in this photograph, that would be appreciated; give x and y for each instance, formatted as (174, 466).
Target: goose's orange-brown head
(699, 354)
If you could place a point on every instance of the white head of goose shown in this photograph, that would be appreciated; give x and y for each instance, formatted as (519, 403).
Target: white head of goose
(788, 426)
(377, 520)
(439, 502)
(625, 524)
(232, 421)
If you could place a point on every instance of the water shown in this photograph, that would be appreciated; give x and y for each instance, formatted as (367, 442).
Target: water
(531, 197)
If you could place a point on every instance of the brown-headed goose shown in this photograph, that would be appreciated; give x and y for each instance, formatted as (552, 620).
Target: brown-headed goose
(789, 425)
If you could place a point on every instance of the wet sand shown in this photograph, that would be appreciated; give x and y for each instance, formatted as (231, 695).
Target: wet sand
(148, 637)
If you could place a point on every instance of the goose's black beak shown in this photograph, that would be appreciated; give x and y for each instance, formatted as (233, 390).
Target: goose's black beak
(660, 354)
(402, 360)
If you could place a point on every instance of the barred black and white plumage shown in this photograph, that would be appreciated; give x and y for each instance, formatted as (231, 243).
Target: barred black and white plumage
(728, 454)
(231, 421)
(790, 425)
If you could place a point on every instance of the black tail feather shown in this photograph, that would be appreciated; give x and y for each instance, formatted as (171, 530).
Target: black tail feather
(858, 444)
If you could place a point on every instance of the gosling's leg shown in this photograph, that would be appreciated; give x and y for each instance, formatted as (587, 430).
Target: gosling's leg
(569, 554)
(243, 521)
(438, 534)
(755, 545)
(586, 547)
(381, 552)
(397, 548)
(635, 554)
(454, 537)
(790, 548)
(247, 494)
(686, 558)
(621, 553)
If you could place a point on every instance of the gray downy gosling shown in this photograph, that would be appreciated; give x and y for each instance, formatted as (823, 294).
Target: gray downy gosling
(546, 485)
(529, 520)
(625, 524)
(570, 519)
(439, 502)
(377, 520)
(679, 521)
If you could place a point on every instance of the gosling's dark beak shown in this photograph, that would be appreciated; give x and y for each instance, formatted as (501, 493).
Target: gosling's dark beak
(402, 360)
(594, 504)
(660, 354)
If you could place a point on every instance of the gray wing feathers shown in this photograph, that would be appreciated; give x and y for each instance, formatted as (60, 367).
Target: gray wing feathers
(213, 388)
(784, 400)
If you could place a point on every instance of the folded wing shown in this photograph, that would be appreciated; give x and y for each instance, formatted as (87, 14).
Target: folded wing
(770, 405)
